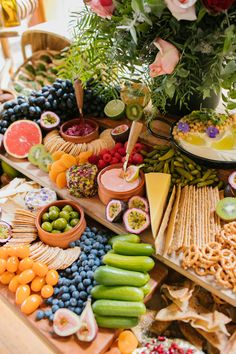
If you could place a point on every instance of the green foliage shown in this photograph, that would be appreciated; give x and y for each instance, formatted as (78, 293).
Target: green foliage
(122, 48)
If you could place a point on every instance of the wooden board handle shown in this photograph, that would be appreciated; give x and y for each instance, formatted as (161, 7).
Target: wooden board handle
(135, 131)
(79, 94)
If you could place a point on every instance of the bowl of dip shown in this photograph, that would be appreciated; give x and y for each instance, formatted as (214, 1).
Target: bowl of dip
(76, 132)
(111, 185)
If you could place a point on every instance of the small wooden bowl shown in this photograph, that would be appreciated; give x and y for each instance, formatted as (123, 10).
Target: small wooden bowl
(79, 139)
(106, 195)
(64, 239)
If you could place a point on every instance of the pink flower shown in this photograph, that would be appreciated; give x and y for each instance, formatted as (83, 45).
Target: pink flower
(166, 60)
(103, 8)
(182, 9)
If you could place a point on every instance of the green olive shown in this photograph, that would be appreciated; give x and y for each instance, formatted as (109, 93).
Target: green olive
(64, 214)
(60, 224)
(55, 232)
(74, 222)
(67, 228)
(67, 208)
(45, 217)
(54, 207)
(74, 215)
(46, 226)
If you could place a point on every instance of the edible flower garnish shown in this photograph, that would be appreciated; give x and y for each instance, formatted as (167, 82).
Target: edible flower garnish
(183, 127)
(212, 131)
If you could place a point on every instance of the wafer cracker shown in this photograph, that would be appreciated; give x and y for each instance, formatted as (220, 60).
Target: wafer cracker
(179, 225)
(159, 242)
(171, 225)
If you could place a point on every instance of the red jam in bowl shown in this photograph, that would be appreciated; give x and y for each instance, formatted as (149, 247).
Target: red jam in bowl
(81, 129)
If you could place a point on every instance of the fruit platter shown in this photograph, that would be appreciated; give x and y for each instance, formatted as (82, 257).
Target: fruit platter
(115, 244)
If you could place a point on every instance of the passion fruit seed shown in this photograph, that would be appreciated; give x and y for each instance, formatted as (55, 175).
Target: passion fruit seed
(48, 119)
(136, 220)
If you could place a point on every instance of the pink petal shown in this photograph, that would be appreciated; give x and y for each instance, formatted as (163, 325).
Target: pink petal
(102, 11)
(180, 12)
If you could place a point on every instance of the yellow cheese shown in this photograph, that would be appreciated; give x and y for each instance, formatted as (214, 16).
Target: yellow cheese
(157, 188)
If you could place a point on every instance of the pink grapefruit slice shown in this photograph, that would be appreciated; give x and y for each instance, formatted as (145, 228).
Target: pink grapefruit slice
(20, 137)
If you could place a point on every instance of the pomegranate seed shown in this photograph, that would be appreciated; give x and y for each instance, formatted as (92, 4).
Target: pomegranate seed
(161, 339)
(189, 351)
(147, 345)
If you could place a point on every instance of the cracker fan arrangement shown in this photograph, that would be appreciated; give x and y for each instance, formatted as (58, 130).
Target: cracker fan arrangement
(111, 293)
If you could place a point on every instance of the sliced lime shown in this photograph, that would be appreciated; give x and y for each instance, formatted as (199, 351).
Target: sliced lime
(115, 109)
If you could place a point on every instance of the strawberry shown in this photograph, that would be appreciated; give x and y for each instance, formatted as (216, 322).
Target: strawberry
(114, 160)
(101, 164)
(118, 146)
(121, 151)
(117, 156)
(93, 159)
(107, 157)
(137, 159)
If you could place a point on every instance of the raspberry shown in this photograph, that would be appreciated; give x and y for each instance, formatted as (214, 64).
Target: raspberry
(101, 164)
(112, 152)
(161, 338)
(117, 156)
(114, 160)
(93, 159)
(137, 159)
(104, 151)
(118, 146)
(121, 151)
(107, 157)
(138, 147)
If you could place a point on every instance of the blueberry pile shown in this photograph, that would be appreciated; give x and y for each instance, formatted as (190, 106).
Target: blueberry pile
(58, 97)
(76, 282)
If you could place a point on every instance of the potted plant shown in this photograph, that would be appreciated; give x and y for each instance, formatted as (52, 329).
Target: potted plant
(183, 50)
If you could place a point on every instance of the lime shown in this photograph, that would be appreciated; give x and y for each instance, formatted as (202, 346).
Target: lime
(67, 208)
(74, 215)
(45, 217)
(74, 222)
(46, 226)
(60, 224)
(55, 232)
(226, 143)
(67, 228)
(53, 214)
(54, 207)
(65, 214)
(115, 109)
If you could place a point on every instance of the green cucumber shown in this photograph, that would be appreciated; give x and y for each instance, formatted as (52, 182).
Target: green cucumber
(116, 322)
(118, 308)
(133, 249)
(127, 237)
(146, 289)
(106, 275)
(124, 293)
(136, 263)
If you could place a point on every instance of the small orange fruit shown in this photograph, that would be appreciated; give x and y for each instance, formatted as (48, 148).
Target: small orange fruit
(12, 264)
(4, 252)
(52, 277)
(14, 284)
(31, 304)
(40, 269)
(12, 251)
(26, 276)
(47, 291)
(68, 160)
(37, 284)
(56, 155)
(6, 277)
(3, 265)
(23, 252)
(26, 263)
(22, 292)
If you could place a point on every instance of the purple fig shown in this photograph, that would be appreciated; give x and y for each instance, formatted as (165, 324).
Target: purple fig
(65, 322)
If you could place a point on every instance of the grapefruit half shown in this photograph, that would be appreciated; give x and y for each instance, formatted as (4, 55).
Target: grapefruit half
(20, 137)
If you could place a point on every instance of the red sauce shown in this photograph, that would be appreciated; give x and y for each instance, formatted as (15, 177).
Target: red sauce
(81, 129)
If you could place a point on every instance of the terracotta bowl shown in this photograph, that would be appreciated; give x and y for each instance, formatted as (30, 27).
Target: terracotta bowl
(79, 139)
(106, 195)
(61, 240)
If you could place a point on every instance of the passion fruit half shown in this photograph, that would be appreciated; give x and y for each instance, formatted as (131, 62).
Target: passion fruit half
(5, 232)
(49, 120)
(120, 133)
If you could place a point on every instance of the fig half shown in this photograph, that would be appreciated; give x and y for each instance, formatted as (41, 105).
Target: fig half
(88, 326)
(65, 322)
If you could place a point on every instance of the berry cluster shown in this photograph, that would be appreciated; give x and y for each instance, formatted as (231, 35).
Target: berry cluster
(116, 155)
(75, 282)
(94, 101)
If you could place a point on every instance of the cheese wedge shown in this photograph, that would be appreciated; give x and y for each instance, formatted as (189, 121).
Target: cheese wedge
(157, 188)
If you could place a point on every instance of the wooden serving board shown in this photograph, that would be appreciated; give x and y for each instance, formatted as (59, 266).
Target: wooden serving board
(96, 210)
